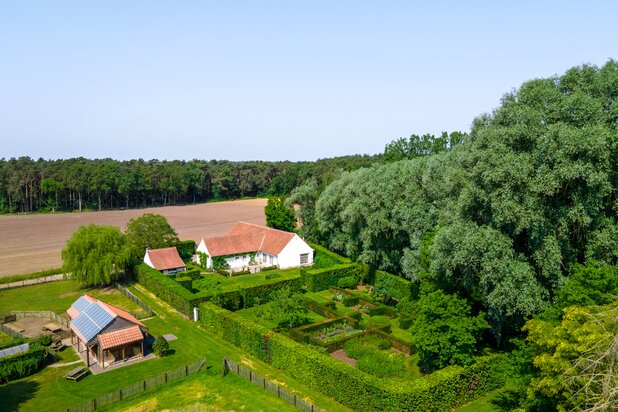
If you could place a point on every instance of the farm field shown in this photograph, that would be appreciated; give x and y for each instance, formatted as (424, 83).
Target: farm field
(30, 243)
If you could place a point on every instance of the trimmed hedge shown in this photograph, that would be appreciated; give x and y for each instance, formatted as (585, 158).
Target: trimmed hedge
(193, 272)
(185, 282)
(332, 255)
(23, 364)
(321, 279)
(264, 290)
(440, 391)
(168, 289)
(392, 286)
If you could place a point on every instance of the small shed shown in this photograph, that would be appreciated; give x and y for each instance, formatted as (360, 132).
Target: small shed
(165, 260)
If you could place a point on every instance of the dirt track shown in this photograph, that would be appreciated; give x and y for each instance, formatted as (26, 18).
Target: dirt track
(29, 243)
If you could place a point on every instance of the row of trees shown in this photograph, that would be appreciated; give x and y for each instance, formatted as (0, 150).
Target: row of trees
(28, 185)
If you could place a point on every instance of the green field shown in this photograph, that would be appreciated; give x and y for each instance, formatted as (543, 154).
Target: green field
(48, 387)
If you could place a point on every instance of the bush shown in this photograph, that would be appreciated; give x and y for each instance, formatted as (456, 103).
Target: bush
(267, 268)
(347, 282)
(241, 272)
(325, 258)
(186, 249)
(320, 279)
(160, 346)
(391, 287)
(440, 391)
(193, 272)
(272, 276)
(405, 323)
(377, 323)
(185, 282)
(44, 340)
(381, 364)
(23, 364)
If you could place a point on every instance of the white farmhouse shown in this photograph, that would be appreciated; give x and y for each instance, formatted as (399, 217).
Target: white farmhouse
(247, 245)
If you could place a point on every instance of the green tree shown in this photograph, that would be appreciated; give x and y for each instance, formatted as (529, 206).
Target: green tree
(445, 331)
(278, 215)
(286, 309)
(149, 231)
(160, 346)
(96, 255)
(578, 359)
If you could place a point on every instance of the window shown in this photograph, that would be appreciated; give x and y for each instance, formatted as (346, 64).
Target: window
(304, 258)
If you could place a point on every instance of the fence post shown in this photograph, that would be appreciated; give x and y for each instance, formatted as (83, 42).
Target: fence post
(165, 377)
(226, 367)
(94, 404)
(187, 370)
(144, 382)
(120, 393)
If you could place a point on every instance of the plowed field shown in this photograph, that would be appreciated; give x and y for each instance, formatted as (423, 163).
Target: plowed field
(29, 243)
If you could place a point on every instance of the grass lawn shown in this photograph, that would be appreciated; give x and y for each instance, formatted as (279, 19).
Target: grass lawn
(58, 296)
(5, 338)
(48, 387)
(253, 312)
(481, 404)
(251, 280)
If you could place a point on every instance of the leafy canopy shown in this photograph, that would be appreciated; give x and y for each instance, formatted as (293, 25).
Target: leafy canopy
(444, 330)
(278, 215)
(149, 231)
(96, 255)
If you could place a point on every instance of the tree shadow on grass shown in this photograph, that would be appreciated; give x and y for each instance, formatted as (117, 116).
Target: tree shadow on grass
(14, 394)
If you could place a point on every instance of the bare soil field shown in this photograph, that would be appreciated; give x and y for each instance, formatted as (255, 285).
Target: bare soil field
(29, 243)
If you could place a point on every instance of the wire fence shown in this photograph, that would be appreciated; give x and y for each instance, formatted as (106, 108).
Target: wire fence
(135, 299)
(278, 390)
(138, 387)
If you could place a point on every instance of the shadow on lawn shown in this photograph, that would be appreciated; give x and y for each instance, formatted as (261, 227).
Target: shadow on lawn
(14, 394)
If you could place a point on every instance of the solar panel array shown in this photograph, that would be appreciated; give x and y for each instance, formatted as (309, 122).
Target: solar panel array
(14, 350)
(81, 304)
(92, 320)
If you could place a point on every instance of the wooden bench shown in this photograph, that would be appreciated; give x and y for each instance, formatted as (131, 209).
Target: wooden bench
(77, 373)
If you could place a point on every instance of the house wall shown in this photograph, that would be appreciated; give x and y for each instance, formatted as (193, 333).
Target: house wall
(202, 248)
(148, 261)
(290, 255)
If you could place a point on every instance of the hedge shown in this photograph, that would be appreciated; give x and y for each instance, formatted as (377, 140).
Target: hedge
(23, 364)
(392, 286)
(320, 249)
(185, 282)
(440, 391)
(263, 291)
(168, 289)
(320, 279)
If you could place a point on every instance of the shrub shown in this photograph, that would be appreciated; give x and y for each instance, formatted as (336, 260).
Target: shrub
(326, 258)
(267, 268)
(241, 272)
(44, 340)
(320, 279)
(186, 248)
(185, 282)
(23, 364)
(377, 322)
(381, 364)
(194, 272)
(347, 282)
(405, 323)
(391, 287)
(160, 346)
(270, 276)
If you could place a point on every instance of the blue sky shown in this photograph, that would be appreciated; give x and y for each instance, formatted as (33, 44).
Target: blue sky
(272, 80)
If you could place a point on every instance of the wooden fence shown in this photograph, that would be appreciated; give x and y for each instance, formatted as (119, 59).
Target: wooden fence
(135, 299)
(281, 392)
(35, 281)
(138, 387)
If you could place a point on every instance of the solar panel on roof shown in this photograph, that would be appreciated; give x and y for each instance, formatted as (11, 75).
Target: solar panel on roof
(92, 320)
(81, 304)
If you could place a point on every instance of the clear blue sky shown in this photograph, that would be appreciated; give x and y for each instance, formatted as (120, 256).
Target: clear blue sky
(272, 80)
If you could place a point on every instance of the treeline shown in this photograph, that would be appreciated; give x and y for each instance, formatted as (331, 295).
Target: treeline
(28, 185)
(501, 218)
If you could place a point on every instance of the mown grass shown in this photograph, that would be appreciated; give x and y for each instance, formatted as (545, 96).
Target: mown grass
(35, 275)
(48, 388)
(481, 404)
(251, 280)
(58, 296)
(5, 338)
(253, 314)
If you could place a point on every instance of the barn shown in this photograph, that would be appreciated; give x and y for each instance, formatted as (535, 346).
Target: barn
(108, 335)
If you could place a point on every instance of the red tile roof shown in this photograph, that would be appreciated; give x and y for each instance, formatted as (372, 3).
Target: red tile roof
(246, 237)
(120, 337)
(166, 258)
(121, 313)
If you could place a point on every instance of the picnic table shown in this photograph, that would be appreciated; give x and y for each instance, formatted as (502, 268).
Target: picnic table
(77, 373)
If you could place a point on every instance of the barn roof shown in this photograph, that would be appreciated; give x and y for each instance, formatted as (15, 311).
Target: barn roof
(246, 237)
(165, 258)
(90, 316)
(120, 337)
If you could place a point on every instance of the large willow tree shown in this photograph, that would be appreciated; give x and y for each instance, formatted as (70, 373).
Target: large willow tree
(96, 255)
(530, 192)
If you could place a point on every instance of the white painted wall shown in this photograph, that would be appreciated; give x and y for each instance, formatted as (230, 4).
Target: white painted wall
(148, 261)
(202, 248)
(289, 257)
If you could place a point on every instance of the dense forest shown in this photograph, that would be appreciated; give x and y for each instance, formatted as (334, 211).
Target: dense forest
(28, 185)
(519, 218)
